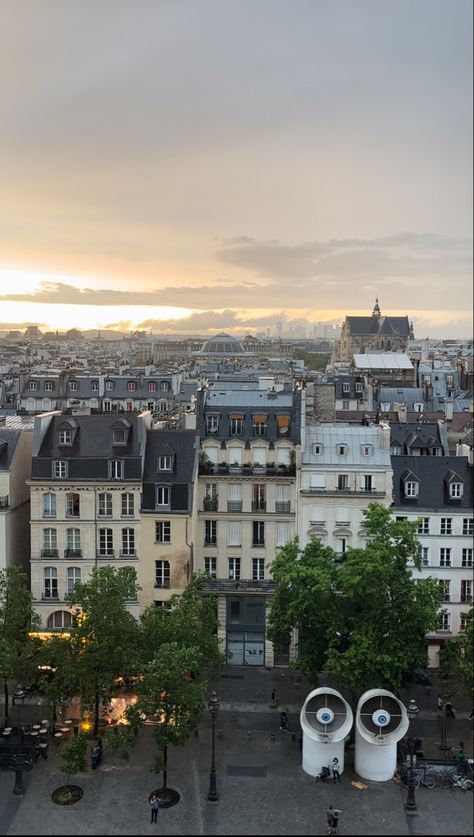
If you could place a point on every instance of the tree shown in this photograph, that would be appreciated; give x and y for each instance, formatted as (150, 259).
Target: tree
(456, 658)
(189, 619)
(18, 648)
(104, 639)
(170, 697)
(73, 755)
(364, 620)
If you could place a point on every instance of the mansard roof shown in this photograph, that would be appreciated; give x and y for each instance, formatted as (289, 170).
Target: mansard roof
(378, 325)
(433, 474)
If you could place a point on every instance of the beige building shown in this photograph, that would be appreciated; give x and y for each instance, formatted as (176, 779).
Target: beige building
(15, 469)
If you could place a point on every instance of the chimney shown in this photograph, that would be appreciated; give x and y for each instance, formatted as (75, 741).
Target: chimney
(448, 410)
(401, 409)
(384, 435)
(463, 449)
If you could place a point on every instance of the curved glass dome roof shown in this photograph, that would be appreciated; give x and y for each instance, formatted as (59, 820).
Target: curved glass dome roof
(222, 344)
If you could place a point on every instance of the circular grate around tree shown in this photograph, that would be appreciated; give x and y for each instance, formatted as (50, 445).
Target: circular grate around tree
(67, 794)
(168, 797)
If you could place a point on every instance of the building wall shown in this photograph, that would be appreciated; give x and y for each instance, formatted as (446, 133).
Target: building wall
(15, 516)
(178, 553)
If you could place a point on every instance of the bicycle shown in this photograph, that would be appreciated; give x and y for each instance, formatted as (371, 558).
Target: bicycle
(461, 782)
(444, 780)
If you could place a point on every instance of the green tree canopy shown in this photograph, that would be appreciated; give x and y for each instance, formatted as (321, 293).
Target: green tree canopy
(73, 756)
(18, 649)
(364, 620)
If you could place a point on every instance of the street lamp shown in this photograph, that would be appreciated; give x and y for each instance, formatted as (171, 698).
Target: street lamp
(19, 698)
(213, 706)
(410, 805)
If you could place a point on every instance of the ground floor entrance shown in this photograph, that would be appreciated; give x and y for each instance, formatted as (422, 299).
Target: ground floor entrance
(245, 630)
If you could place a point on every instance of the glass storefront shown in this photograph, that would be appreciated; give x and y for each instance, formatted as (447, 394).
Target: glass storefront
(246, 630)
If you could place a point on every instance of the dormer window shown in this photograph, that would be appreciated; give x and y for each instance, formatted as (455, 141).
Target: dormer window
(358, 387)
(317, 450)
(94, 386)
(116, 469)
(165, 463)
(212, 424)
(235, 424)
(120, 437)
(48, 386)
(65, 437)
(109, 385)
(73, 386)
(411, 489)
(131, 386)
(33, 386)
(346, 387)
(395, 449)
(283, 425)
(366, 450)
(456, 490)
(342, 449)
(151, 386)
(165, 386)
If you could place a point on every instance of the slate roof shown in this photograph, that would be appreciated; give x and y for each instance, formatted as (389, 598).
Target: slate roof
(412, 435)
(181, 445)
(433, 473)
(379, 325)
(247, 403)
(9, 439)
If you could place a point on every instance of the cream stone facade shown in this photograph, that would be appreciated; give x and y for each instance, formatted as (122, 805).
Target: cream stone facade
(15, 469)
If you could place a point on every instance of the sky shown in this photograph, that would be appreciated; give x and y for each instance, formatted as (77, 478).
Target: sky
(222, 165)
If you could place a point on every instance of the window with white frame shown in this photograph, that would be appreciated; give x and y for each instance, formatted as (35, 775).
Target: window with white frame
(444, 622)
(73, 386)
(106, 543)
(212, 424)
(50, 542)
(358, 387)
(210, 566)
(366, 450)
(105, 504)
(49, 505)
(456, 490)
(367, 482)
(463, 621)
(234, 533)
(234, 568)
(131, 386)
(425, 556)
(72, 504)
(50, 577)
(162, 574)
(317, 449)
(282, 499)
(116, 469)
(33, 386)
(259, 456)
(48, 386)
(468, 526)
(73, 540)
(60, 469)
(258, 569)
(59, 619)
(283, 456)
(395, 449)
(94, 386)
(423, 526)
(234, 497)
(109, 385)
(164, 463)
(342, 449)
(445, 585)
(65, 437)
(151, 386)
(466, 559)
(120, 436)
(259, 427)
(163, 494)
(343, 482)
(235, 456)
(128, 504)
(445, 556)
(466, 590)
(318, 482)
(346, 387)
(165, 386)
(107, 406)
(346, 404)
(163, 531)
(210, 532)
(282, 533)
(258, 533)
(446, 527)
(411, 488)
(73, 576)
(235, 425)
(259, 496)
(128, 542)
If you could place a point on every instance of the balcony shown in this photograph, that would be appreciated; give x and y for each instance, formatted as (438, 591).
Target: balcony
(105, 553)
(259, 469)
(234, 505)
(210, 541)
(73, 553)
(235, 469)
(259, 506)
(209, 504)
(49, 553)
(466, 597)
(4, 502)
(128, 553)
(283, 507)
(344, 492)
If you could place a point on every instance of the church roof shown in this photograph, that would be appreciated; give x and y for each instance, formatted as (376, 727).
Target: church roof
(378, 325)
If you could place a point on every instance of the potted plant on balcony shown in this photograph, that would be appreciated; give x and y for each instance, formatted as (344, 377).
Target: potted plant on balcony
(210, 503)
(206, 466)
(235, 467)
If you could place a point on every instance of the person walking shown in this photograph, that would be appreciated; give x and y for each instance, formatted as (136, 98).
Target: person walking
(450, 711)
(154, 805)
(332, 817)
(336, 769)
(274, 697)
(440, 703)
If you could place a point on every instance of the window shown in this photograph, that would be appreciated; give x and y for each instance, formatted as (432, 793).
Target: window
(128, 505)
(50, 543)
(283, 457)
(317, 450)
(210, 500)
(163, 531)
(210, 532)
(346, 387)
(259, 425)
(424, 526)
(395, 450)
(444, 622)
(346, 405)
(105, 504)
(48, 386)
(49, 505)
(342, 450)
(164, 463)
(462, 621)
(151, 386)
(60, 469)
(358, 387)
(73, 540)
(210, 566)
(109, 385)
(162, 573)
(107, 406)
(73, 576)
(366, 450)
(259, 497)
(367, 484)
(455, 490)
(449, 380)
(445, 585)
(59, 619)
(445, 557)
(425, 556)
(131, 386)
(50, 575)
(73, 386)
(466, 590)
(234, 568)
(282, 534)
(116, 469)
(163, 493)
(446, 526)
(33, 386)
(234, 534)
(343, 482)
(466, 560)
(165, 386)
(65, 437)
(468, 526)
(106, 544)
(411, 489)
(234, 497)
(212, 424)
(283, 425)
(399, 518)
(72, 505)
(128, 542)
(259, 456)
(258, 569)
(94, 386)
(120, 437)
(258, 537)
(282, 500)
(235, 428)
(318, 482)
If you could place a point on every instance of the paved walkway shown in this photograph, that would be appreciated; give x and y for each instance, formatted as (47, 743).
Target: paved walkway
(263, 789)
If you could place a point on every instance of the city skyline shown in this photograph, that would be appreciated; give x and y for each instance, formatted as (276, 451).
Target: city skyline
(222, 166)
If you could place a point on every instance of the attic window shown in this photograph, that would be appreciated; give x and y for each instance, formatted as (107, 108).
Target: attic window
(342, 450)
(346, 387)
(366, 450)
(65, 437)
(120, 437)
(411, 489)
(456, 490)
(283, 425)
(317, 450)
(165, 463)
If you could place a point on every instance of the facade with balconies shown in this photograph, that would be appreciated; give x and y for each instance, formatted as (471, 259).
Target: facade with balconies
(85, 493)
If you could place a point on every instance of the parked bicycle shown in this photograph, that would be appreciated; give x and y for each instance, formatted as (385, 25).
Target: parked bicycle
(461, 782)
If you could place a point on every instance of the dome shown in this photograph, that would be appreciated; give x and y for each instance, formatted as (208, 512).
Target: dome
(222, 344)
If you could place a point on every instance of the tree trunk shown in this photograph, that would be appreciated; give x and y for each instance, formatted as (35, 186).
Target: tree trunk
(165, 766)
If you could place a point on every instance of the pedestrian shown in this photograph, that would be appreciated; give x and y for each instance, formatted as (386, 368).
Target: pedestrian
(284, 721)
(274, 697)
(154, 805)
(440, 702)
(450, 711)
(335, 767)
(332, 817)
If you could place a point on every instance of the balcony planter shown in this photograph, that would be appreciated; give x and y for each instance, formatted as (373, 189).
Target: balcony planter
(259, 469)
(235, 468)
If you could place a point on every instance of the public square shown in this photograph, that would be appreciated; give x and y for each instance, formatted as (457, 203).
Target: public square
(261, 785)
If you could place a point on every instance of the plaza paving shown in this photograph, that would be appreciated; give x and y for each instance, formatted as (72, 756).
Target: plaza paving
(262, 788)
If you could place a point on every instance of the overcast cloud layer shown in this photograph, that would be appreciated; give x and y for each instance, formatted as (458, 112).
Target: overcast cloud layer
(241, 161)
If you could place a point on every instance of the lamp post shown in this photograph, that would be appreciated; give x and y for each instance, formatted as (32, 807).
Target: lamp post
(410, 805)
(213, 706)
(19, 698)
